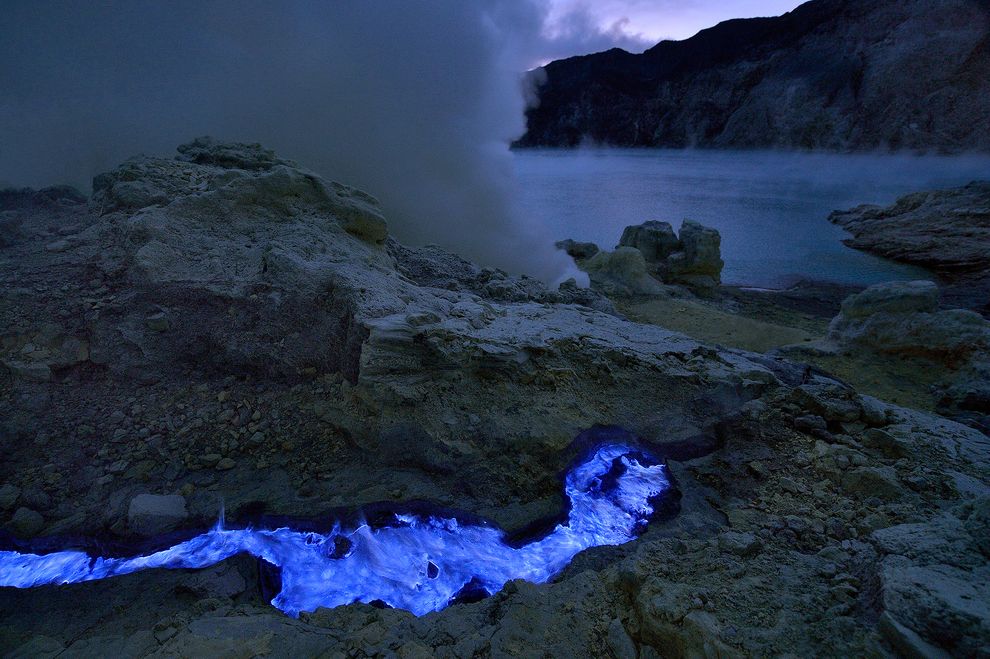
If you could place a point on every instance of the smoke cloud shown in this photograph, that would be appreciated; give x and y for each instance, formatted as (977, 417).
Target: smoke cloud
(414, 102)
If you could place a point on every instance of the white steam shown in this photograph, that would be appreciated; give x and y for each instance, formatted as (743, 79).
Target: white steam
(415, 102)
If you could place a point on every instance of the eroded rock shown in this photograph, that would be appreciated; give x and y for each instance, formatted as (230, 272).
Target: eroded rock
(622, 272)
(304, 367)
(903, 319)
(578, 250)
(693, 258)
(656, 240)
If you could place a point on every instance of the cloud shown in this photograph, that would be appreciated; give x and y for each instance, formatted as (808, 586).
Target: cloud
(577, 29)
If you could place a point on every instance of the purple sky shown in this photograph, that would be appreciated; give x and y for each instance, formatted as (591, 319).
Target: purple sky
(637, 24)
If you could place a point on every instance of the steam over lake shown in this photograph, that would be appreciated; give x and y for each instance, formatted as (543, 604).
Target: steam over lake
(771, 208)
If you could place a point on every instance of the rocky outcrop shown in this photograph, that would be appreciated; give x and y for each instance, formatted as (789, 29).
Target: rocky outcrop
(54, 197)
(697, 262)
(18, 203)
(656, 240)
(623, 272)
(231, 227)
(903, 319)
(245, 349)
(947, 231)
(577, 250)
(935, 578)
(649, 254)
(834, 74)
(231, 265)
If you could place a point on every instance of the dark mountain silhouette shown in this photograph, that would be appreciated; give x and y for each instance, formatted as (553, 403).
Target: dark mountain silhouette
(835, 74)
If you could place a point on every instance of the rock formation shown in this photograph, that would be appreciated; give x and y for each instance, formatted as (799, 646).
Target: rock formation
(651, 253)
(694, 258)
(226, 328)
(578, 250)
(832, 74)
(947, 231)
(623, 273)
(656, 240)
(903, 319)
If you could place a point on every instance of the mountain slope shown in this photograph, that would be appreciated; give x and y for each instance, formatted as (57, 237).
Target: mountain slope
(835, 74)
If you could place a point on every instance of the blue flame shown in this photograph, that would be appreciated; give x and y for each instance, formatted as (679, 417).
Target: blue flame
(417, 564)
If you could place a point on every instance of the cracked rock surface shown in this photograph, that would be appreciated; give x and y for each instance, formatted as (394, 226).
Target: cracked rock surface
(226, 328)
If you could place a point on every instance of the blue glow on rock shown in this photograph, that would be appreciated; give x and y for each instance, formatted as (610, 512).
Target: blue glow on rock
(420, 564)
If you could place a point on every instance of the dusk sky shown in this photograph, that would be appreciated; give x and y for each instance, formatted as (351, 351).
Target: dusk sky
(638, 24)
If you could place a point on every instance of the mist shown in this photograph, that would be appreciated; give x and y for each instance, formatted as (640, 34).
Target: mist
(415, 103)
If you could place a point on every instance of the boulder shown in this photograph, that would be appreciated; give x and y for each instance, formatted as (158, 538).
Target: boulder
(153, 514)
(892, 297)
(27, 523)
(693, 259)
(699, 263)
(656, 240)
(740, 544)
(578, 250)
(903, 318)
(622, 272)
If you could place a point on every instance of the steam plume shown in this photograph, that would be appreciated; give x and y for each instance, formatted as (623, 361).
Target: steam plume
(414, 102)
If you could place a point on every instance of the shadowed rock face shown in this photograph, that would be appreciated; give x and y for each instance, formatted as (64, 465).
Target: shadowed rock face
(651, 253)
(835, 74)
(623, 272)
(902, 319)
(947, 231)
(229, 264)
(227, 327)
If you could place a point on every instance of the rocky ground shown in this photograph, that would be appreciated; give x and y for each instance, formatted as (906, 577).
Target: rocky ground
(225, 328)
(947, 231)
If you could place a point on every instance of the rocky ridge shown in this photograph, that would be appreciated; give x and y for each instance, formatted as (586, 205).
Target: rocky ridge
(947, 231)
(228, 328)
(832, 74)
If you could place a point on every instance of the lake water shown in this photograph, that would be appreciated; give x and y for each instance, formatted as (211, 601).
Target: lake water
(770, 207)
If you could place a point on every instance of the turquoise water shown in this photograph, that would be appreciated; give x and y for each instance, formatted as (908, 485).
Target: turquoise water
(770, 207)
